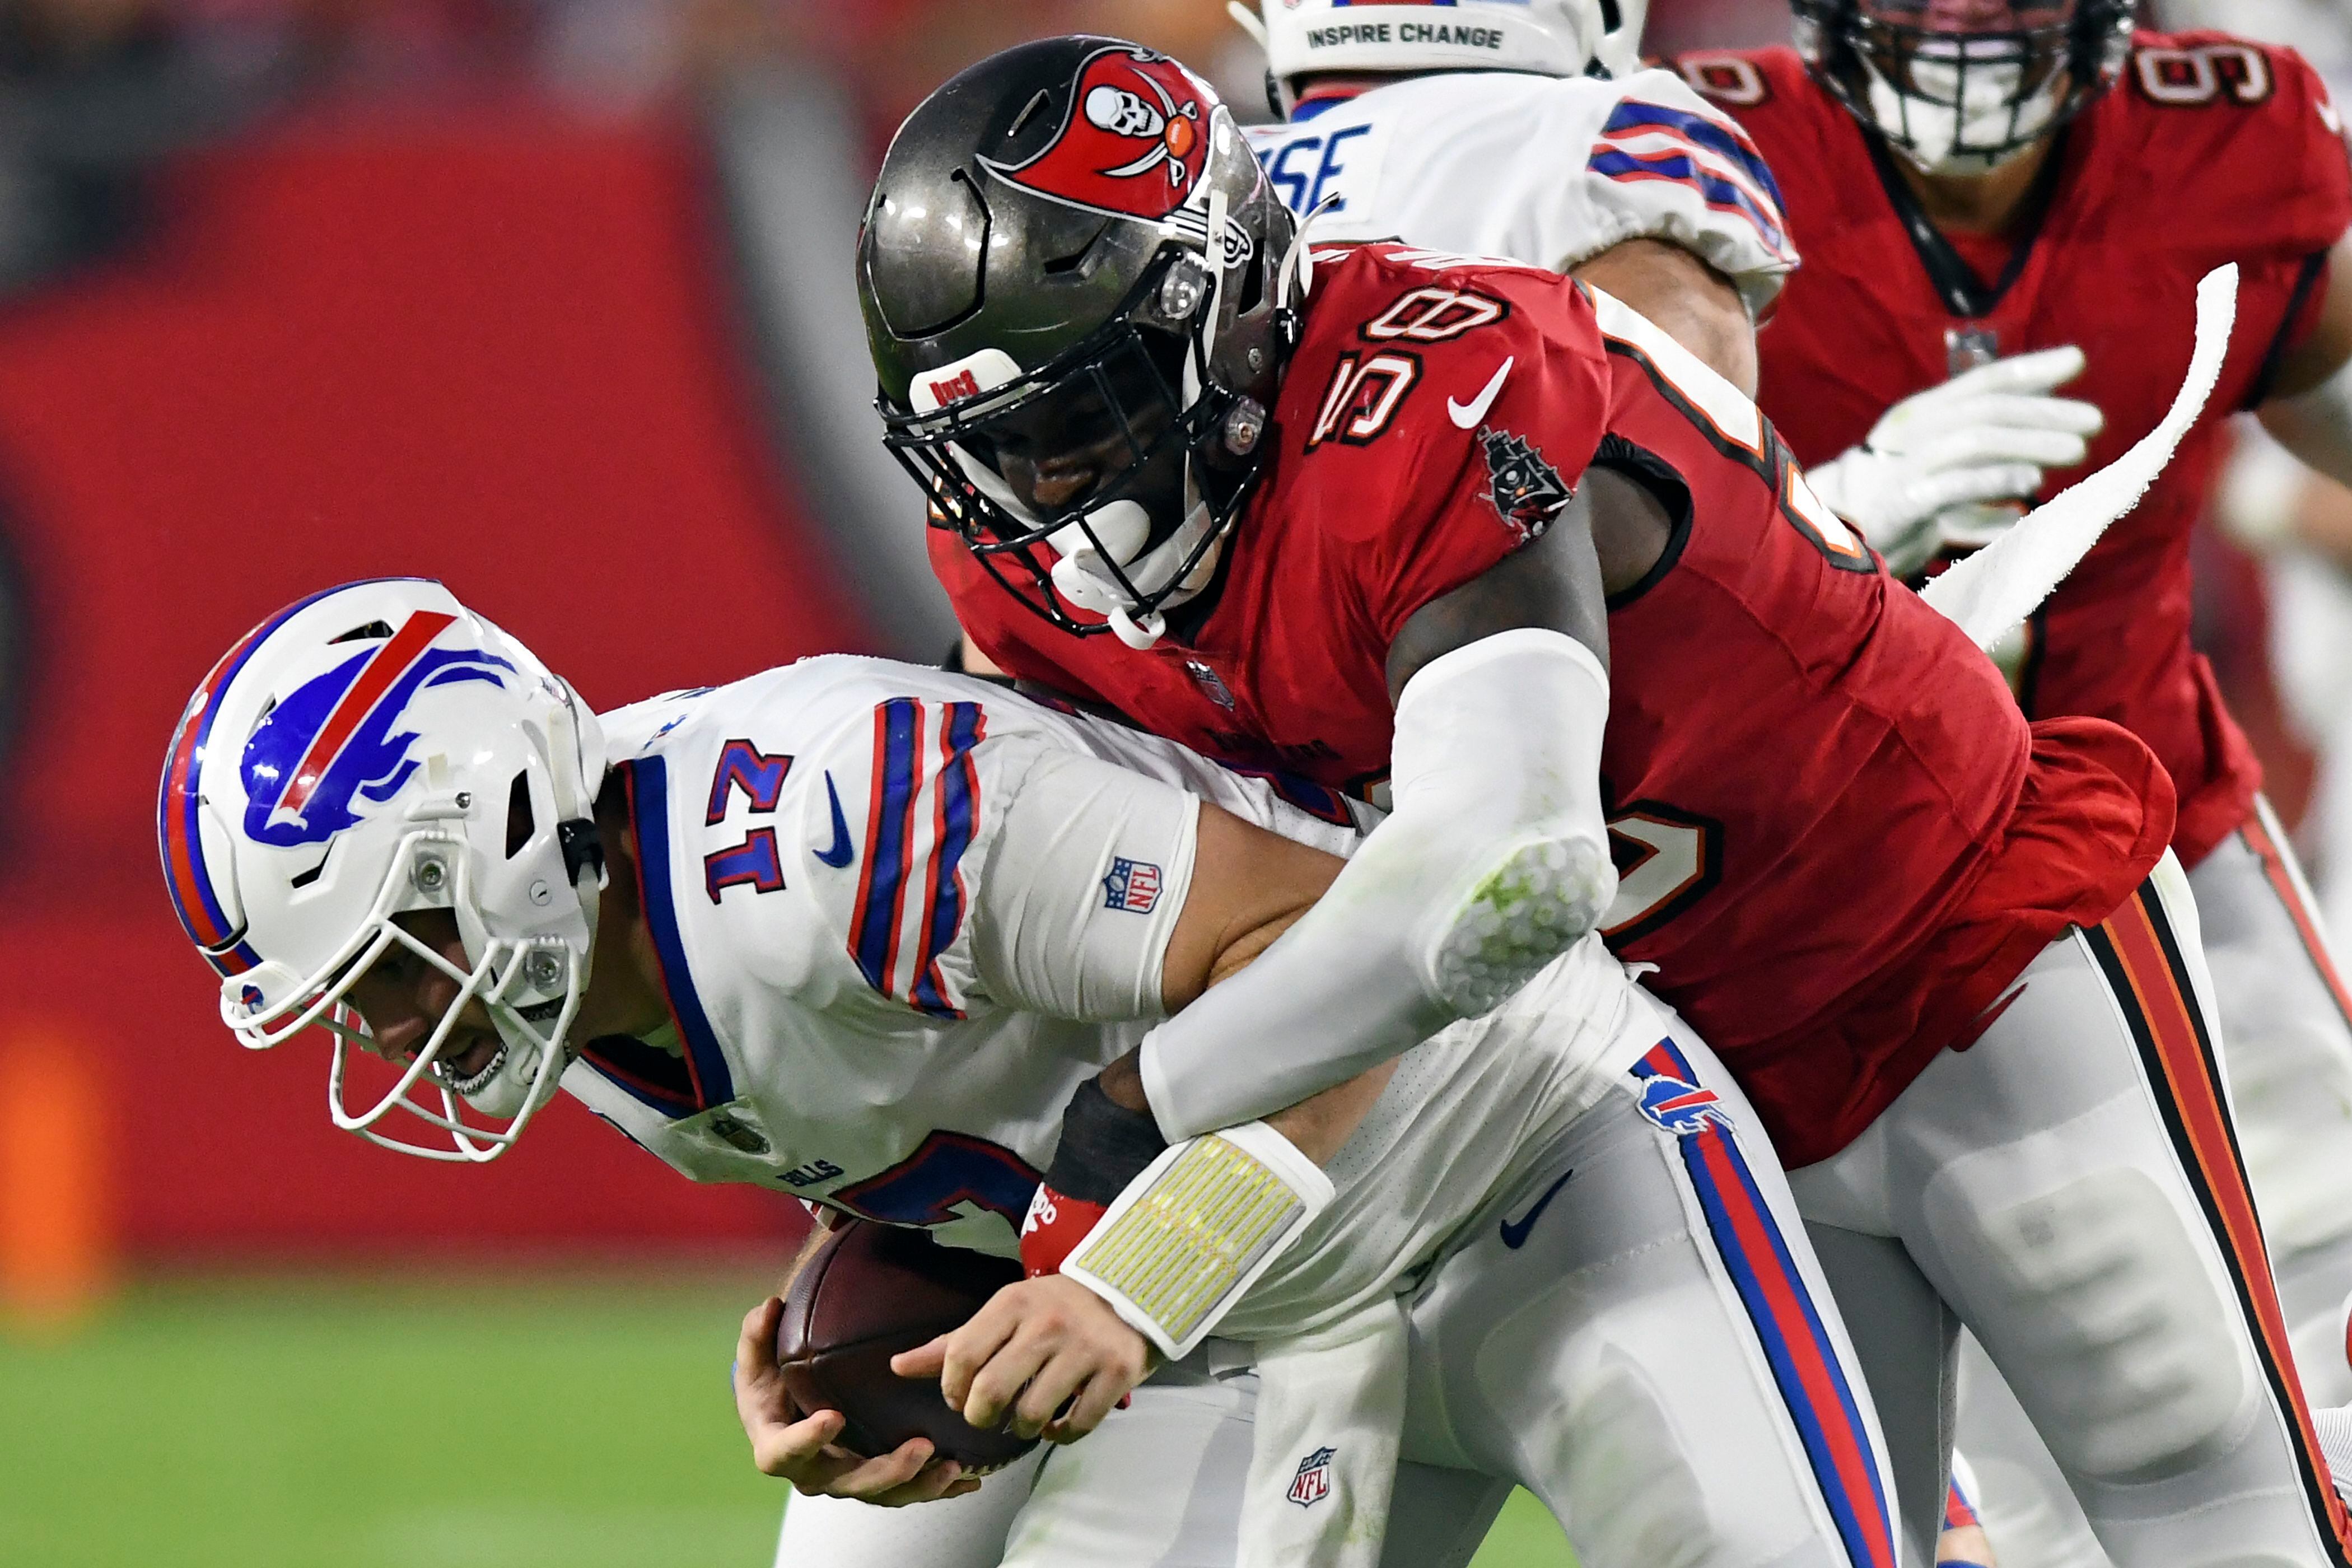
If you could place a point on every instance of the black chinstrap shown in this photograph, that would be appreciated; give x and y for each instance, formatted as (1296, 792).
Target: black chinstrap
(1007, 543)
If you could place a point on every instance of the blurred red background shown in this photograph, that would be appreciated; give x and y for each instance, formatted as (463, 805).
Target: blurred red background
(293, 291)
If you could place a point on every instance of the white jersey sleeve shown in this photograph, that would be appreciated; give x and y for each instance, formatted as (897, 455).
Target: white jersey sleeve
(1550, 171)
(1092, 867)
(967, 860)
(878, 840)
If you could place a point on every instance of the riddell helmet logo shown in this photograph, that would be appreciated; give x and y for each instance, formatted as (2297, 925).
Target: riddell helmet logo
(1133, 143)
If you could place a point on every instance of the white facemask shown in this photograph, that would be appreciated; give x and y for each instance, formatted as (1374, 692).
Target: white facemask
(1935, 131)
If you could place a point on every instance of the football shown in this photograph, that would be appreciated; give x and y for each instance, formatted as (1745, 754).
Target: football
(868, 1292)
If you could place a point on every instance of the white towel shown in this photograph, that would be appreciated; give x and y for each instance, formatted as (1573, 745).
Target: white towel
(1989, 594)
(1330, 1415)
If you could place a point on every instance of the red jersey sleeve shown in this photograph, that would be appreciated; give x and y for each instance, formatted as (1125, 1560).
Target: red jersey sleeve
(2251, 128)
(2281, 151)
(1503, 402)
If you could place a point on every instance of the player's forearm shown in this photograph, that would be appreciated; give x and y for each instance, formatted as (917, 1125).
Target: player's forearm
(2317, 426)
(1320, 1125)
(1494, 862)
(1695, 304)
(2270, 498)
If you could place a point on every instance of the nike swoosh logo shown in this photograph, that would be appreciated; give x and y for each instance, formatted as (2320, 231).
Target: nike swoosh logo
(837, 854)
(1467, 415)
(1515, 1235)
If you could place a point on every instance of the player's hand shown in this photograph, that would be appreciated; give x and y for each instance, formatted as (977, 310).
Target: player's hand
(1925, 476)
(803, 1451)
(1048, 1353)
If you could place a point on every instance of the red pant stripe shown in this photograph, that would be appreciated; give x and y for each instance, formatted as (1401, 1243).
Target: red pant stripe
(2140, 955)
(2289, 887)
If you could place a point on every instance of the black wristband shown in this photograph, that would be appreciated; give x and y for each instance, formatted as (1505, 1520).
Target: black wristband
(1104, 1146)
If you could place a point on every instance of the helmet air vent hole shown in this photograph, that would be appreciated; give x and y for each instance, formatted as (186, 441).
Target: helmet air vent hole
(1028, 110)
(1060, 265)
(1252, 292)
(519, 817)
(1610, 17)
(373, 631)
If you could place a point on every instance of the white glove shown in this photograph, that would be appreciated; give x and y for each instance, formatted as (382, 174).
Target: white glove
(1922, 477)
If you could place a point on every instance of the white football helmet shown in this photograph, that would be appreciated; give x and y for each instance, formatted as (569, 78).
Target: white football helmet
(372, 749)
(1554, 38)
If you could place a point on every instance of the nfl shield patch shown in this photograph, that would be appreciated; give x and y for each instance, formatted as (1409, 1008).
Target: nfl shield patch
(1132, 886)
(1312, 1484)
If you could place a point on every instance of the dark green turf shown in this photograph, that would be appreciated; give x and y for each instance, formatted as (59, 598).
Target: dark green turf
(442, 1423)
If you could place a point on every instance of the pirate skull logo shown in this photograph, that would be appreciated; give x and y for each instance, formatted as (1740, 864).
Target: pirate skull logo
(1133, 142)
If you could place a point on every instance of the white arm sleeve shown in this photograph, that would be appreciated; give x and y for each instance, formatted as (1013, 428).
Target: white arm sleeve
(1494, 862)
(1089, 872)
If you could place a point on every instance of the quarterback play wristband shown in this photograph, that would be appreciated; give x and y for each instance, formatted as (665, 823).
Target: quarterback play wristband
(1197, 1229)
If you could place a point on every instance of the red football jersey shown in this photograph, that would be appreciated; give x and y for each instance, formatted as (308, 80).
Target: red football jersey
(1808, 771)
(2210, 150)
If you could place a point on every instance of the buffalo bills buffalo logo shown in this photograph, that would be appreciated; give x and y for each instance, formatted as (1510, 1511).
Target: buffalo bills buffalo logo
(1527, 491)
(1132, 143)
(337, 740)
(1680, 1108)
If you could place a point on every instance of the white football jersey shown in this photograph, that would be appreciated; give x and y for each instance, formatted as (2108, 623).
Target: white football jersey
(1551, 171)
(900, 915)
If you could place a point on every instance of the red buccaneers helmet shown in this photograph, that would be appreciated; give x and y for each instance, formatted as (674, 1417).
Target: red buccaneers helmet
(1962, 86)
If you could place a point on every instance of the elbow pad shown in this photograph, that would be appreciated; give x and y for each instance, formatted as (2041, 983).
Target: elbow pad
(1514, 807)
(1494, 862)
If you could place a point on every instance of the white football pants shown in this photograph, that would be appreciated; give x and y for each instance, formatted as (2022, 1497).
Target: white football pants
(1157, 1485)
(2069, 1188)
(2286, 1040)
(1636, 1331)
(1642, 1338)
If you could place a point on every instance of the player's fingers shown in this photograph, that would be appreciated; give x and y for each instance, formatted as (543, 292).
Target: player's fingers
(2015, 412)
(935, 1481)
(1959, 487)
(788, 1448)
(973, 1346)
(871, 1478)
(1976, 527)
(1093, 1407)
(1056, 1383)
(2036, 371)
(996, 1385)
(923, 1361)
(1983, 444)
(755, 1348)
